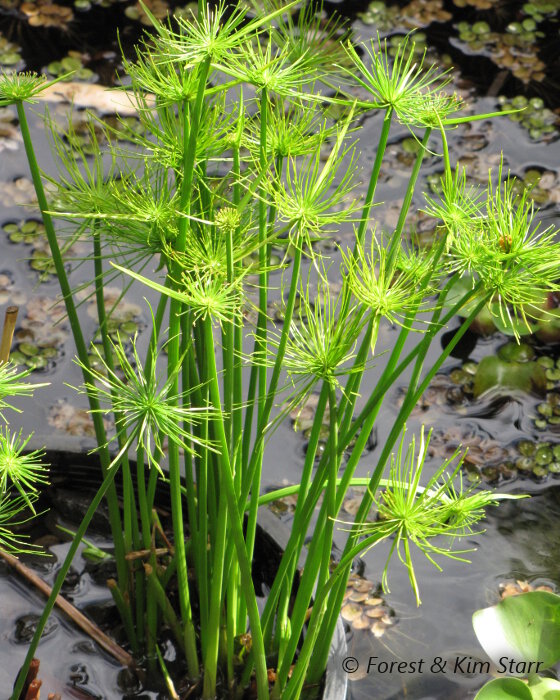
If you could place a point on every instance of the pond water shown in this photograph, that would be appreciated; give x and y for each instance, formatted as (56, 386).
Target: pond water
(502, 59)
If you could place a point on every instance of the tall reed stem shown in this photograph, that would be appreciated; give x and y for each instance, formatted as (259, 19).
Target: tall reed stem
(81, 349)
(237, 529)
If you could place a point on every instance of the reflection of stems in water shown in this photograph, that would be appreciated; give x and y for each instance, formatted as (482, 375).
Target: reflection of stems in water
(63, 571)
(89, 627)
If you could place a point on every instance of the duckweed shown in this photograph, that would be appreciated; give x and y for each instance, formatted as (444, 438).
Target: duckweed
(73, 67)
(540, 122)
(514, 50)
(9, 52)
(540, 9)
(379, 15)
(24, 231)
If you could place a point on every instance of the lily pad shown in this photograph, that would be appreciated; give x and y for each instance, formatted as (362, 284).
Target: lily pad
(516, 352)
(493, 372)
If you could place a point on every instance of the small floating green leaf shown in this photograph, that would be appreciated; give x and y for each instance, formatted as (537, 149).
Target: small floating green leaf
(492, 372)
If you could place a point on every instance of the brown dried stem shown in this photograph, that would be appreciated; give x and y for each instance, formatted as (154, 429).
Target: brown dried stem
(8, 333)
(89, 627)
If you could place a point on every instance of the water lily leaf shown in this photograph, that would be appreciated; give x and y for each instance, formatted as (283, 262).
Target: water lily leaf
(459, 290)
(492, 372)
(544, 688)
(504, 689)
(523, 628)
(484, 322)
(548, 327)
(516, 352)
(514, 326)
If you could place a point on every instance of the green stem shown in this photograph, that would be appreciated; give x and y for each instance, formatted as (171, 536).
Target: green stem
(81, 348)
(277, 369)
(176, 500)
(81, 531)
(218, 530)
(257, 380)
(227, 484)
(256, 457)
(381, 146)
(412, 180)
(216, 598)
(163, 602)
(323, 533)
(295, 685)
(144, 499)
(191, 122)
(294, 490)
(130, 519)
(406, 408)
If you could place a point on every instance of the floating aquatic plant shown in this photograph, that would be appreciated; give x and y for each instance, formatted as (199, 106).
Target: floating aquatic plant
(40, 334)
(513, 50)
(71, 67)
(540, 122)
(365, 609)
(412, 15)
(10, 53)
(43, 13)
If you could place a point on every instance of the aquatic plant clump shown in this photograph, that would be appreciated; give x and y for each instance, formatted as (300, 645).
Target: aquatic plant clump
(239, 172)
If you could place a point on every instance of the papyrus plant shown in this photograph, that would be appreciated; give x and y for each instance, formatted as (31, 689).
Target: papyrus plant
(242, 153)
(22, 473)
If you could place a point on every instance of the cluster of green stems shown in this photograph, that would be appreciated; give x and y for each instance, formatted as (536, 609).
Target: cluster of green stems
(218, 181)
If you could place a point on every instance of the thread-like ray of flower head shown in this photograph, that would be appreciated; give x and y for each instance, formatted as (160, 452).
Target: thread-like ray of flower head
(20, 469)
(312, 196)
(428, 518)
(322, 337)
(388, 285)
(516, 262)
(396, 82)
(148, 407)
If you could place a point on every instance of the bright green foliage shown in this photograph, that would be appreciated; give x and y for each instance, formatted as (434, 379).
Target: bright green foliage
(389, 288)
(24, 471)
(21, 474)
(310, 195)
(505, 689)
(149, 410)
(400, 83)
(11, 385)
(239, 154)
(321, 341)
(22, 87)
(415, 515)
(521, 634)
(496, 241)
